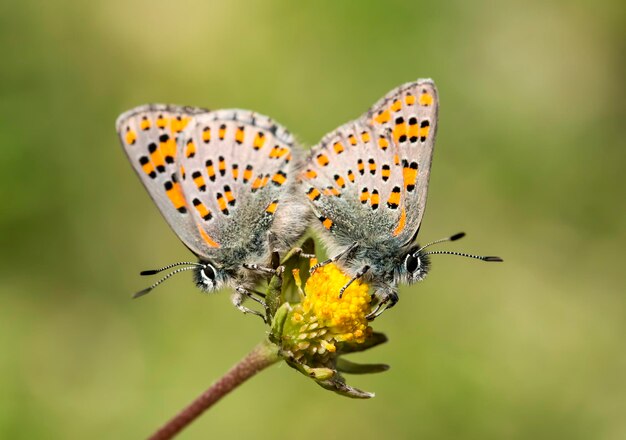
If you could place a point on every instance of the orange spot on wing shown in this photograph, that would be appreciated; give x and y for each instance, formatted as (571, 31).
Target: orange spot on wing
(221, 202)
(230, 198)
(161, 122)
(206, 135)
(338, 147)
(277, 152)
(372, 166)
(386, 172)
(423, 132)
(279, 178)
(145, 124)
(258, 182)
(330, 191)
(204, 212)
(190, 149)
(210, 169)
(322, 159)
(259, 140)
(375, 199)
(168, 148)
(239, 135)
(401, 223)
(175, 194)
(247, 174)
(271, 208)
(394, 198)
(178, 124)
(157, 158)
(383, 117)
(409, 175)
(147, 167)
(365, 195)
(413, 130)
(199, 180)
(426, 99)
(313, 194)
(399, 132)
(208, 240)
(131, 137)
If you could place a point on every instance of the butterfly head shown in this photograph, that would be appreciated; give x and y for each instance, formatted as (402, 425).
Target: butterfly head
(413, 266)
(415, 263)
(208, 277)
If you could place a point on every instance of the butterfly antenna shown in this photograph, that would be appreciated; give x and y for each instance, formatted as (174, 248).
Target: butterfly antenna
(155, 271)
(461, 254)
(454, 237)
(148, 289)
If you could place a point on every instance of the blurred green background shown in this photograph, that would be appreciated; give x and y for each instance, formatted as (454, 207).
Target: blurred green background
(530, 163)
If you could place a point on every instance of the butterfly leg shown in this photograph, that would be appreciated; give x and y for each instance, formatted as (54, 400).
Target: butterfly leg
(340, 255)
(259, 268)
(256, 292)
(241, 293)
(358, 275)
(299, 252)
(388, 300)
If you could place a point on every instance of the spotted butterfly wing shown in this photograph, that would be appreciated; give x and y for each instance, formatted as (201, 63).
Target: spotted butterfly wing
(223, 180)
(149, 135)
(234, 168)
(408, 115)
(370, 176)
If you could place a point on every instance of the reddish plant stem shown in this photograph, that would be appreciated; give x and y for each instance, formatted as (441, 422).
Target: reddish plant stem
(261, 357)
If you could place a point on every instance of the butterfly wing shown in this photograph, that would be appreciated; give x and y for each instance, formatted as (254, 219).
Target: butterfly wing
(235, 168)
(408, 115)
(371, 175)
(149, 135)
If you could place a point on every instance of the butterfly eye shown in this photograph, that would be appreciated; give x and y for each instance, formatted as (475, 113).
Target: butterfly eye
(411, 263)
(208, 273)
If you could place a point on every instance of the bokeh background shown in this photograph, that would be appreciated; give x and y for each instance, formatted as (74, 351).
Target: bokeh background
(529, 162)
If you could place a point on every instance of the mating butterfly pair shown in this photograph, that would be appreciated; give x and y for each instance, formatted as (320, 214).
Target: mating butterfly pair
(232, 185)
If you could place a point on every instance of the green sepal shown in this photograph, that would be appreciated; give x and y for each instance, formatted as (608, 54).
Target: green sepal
(278, 323)
(274, 294)
(346, 366)
(315, 373)
(372, 341)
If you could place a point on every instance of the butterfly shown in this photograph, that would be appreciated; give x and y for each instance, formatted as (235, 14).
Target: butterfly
(367, 183)
(224, 182)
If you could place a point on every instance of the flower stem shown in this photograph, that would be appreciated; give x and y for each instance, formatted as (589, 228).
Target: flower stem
(261, 357)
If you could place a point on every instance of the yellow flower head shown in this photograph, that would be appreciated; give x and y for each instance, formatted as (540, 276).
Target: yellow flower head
(323, 319)
(313, 328)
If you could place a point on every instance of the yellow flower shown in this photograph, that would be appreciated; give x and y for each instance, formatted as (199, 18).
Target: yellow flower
(312, 328)
(323, 319)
